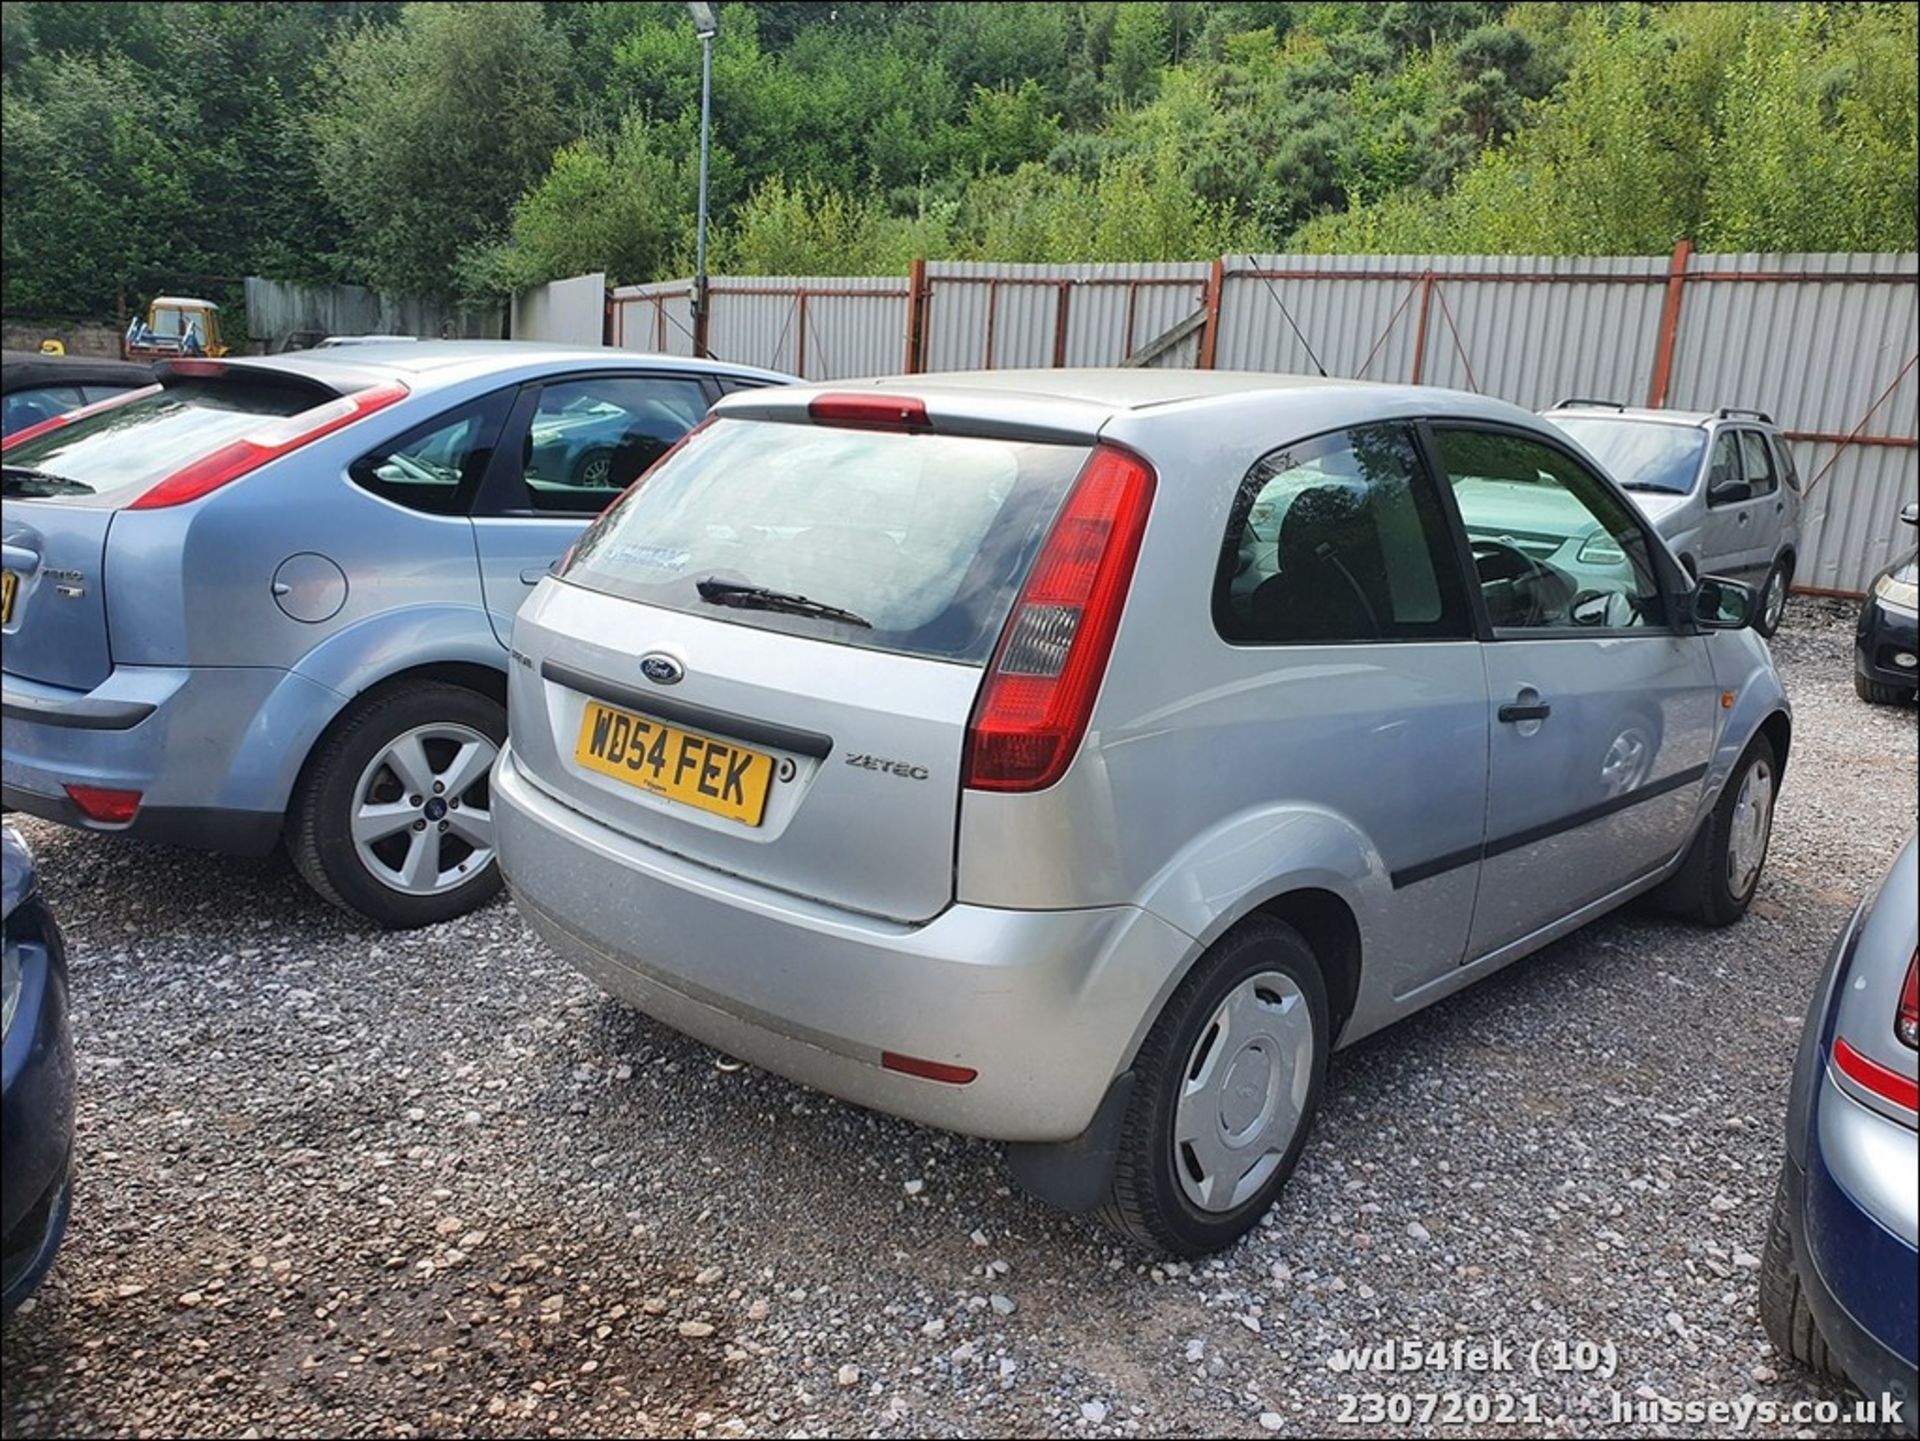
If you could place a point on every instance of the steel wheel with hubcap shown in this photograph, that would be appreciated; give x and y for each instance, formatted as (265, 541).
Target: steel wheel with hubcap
(1245, 1092)
(391, 819)
(1224, 1091)
(1750, 827)
(1717, 881)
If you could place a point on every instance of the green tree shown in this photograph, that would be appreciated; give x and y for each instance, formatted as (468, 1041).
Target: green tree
(619, 205)
(428, 131)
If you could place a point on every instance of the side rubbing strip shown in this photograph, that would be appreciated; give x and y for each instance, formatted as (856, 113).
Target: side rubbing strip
(1426, 870)
(700, 717)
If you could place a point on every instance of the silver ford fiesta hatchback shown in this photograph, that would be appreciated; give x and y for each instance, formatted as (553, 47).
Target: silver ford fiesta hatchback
(1074, 758)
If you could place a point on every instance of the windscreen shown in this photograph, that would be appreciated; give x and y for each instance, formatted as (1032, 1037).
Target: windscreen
(914, 543)
(130, 447)
(1641, 454)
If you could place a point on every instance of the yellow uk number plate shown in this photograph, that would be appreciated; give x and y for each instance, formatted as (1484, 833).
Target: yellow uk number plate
(9, 583)
(696, 770)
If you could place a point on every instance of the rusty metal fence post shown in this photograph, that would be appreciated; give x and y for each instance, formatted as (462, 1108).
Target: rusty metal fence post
(1669, 326)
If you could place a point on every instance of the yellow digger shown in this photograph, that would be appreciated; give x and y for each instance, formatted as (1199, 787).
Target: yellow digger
(174, 326)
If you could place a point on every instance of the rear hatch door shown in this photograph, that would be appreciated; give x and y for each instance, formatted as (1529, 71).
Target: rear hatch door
(671, 685)
(63, 483)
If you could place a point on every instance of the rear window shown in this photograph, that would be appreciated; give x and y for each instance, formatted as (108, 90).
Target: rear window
(133, 446)
(1646, 455)
(925, 537)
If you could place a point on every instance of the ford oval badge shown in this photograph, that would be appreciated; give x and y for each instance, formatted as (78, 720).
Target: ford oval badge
(661, 669)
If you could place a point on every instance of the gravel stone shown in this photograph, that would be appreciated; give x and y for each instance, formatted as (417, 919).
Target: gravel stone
(250, 1063)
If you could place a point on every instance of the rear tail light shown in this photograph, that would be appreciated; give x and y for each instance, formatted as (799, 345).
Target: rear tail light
(109, 807)
(1883, 1081)
(1039, 691)
(927, 1070)
(274, 438)
(1906, 1022)
(870, 411)
(54, 422)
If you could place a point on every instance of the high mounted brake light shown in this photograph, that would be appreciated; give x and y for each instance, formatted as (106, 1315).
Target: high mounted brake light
(274, 438)
(1040, 688)
(54, 422)
(870, 411)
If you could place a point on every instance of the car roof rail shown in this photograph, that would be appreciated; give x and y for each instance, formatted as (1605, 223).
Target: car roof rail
(1578, 400)
(1736, 412)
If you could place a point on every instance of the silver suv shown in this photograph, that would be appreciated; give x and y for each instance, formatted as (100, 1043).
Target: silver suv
(1720, 488)
(1075, 758)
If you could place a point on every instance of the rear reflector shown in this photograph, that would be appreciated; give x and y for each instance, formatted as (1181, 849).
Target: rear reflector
(875, 411)
(1039, 691)
(54, 422)
(272, 440)
(927, 1070)
(1883, 1081)
(97, 803)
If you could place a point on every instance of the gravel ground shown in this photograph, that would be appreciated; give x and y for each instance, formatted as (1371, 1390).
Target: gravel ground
(335, 1181)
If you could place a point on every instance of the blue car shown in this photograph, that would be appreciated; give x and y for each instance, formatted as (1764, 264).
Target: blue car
(36, 1115)
(1838, 1278)
(268, 601)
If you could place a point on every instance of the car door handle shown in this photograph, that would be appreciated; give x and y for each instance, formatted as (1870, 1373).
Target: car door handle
(533, 574)
(1513, 711)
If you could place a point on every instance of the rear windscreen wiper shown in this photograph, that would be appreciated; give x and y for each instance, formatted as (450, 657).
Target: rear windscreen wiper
(760, 597)
(24, 480)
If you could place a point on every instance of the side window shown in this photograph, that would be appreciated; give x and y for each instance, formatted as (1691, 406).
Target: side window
(1339, 538)
(1784, 456)
(92, 393)
(590, 439)
(1724, 468)
(1552, 545)
(1756, 463)
(435, 467)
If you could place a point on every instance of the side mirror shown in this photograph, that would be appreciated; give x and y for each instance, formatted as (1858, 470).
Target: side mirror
(1729, 492)
(1910, 513)
(1722, 604)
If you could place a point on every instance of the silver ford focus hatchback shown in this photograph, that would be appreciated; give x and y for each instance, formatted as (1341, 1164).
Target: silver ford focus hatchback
(1074, 758)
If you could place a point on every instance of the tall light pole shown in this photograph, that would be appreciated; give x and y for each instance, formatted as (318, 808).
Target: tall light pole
(706, 25)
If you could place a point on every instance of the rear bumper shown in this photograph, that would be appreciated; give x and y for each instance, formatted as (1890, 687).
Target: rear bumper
(1856, 1272)
(36, 1109)
(208, 748)
(1041, 1004)
(1885, 632)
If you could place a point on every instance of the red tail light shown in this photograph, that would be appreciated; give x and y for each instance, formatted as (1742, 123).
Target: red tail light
(1039, 691)
(1906, 1023)
(874, 410)
(275, 438)
(109, 807)
(54, 422)
(1883, 1081)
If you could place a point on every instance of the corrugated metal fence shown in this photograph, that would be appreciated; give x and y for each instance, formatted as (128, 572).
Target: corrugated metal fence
(279, 311)
(1827, 344)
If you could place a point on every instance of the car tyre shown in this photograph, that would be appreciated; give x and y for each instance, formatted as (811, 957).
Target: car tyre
(1784, 1311)
(594, 469)
(1148, 1202)
(1771, 606)
(1734, 839)
(351, 777)
(1874, 693)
